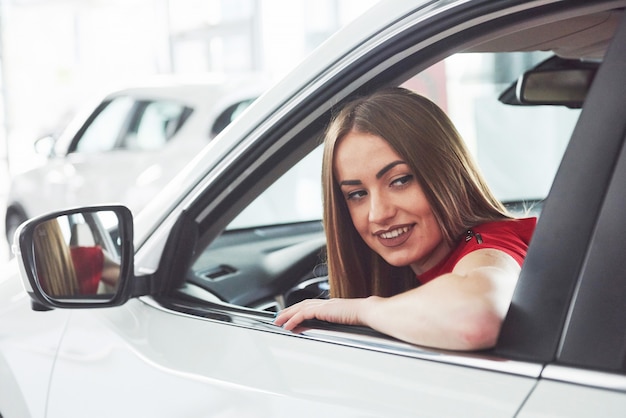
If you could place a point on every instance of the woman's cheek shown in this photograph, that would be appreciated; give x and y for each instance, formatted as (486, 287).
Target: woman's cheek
(360, 218)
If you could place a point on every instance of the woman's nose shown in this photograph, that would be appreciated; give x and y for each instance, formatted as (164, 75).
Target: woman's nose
(381, 209)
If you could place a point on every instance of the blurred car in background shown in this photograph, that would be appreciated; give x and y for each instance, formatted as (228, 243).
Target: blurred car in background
(128, 145)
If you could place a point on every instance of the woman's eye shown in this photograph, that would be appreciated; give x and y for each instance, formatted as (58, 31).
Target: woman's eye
(401, 181)
(355, 195)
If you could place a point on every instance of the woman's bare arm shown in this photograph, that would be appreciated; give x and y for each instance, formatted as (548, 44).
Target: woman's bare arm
(462, 310)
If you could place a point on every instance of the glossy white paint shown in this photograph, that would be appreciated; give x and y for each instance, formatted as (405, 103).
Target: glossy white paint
(151, 362)
(559, 399)
(28, 342)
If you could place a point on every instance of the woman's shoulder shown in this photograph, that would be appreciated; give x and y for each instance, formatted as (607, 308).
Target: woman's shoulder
(523, 227)
(510, 235)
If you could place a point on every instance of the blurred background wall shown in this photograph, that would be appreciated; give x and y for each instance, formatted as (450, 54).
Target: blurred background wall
(56, 54)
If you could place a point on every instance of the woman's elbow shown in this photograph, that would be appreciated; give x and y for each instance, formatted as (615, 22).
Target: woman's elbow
(479, 332)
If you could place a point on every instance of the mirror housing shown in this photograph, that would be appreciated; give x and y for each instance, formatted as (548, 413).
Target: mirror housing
(560, 87)
(555, 81)
(45, 145)
(77, 258)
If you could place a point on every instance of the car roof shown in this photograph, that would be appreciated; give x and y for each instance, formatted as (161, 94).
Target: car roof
(194, 89)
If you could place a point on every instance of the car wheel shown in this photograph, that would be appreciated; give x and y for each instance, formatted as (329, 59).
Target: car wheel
(14, 218)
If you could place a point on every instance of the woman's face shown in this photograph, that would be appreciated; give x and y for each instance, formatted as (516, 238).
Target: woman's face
(386, 203)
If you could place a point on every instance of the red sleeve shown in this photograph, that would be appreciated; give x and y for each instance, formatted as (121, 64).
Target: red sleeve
(88, 262)
(509, 236)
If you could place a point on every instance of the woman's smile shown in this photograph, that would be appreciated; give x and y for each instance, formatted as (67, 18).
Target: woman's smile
(395, 237)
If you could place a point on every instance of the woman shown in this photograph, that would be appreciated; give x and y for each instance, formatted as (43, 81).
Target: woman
(418, 247)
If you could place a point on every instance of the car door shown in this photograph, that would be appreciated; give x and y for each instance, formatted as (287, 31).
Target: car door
(28, 342)
(143, 359)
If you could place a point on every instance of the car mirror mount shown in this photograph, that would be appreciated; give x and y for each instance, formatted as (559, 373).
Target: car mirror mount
(78, 258)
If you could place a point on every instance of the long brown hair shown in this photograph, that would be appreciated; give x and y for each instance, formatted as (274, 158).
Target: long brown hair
(54, 262)
(423, 135)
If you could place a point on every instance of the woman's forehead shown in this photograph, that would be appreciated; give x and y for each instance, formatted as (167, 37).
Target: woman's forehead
(363, 153)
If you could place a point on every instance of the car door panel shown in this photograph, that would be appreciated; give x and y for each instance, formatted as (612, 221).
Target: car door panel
(560, 399)
(120, 361)
(28, 345)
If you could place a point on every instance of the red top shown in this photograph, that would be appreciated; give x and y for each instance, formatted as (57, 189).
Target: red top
(511, 236)
(88, 262)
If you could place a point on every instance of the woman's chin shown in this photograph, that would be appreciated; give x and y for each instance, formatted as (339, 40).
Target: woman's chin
(398, 261)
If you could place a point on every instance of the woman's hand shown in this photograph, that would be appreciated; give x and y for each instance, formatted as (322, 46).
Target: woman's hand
(339, 311)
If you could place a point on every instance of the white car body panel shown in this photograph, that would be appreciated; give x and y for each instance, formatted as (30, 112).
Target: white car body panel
(29, 341)
(232, 371)
(559, 399)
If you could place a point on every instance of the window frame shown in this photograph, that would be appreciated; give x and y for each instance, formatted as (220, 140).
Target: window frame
(549, 288)
(595, 329)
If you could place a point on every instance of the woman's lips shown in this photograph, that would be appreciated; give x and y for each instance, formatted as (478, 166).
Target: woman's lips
(394, 237)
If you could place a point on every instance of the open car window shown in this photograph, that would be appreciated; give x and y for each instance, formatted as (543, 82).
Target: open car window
(518, 148)
(295, 197)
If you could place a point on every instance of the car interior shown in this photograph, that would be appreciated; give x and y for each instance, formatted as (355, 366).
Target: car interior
(515, 96)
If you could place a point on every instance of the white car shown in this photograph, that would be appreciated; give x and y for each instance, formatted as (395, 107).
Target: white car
(129, 144)
(188, 330)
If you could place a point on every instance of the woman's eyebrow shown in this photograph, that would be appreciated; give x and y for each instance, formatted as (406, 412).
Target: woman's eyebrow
(378, 175)
(350, 183)
(388, 167)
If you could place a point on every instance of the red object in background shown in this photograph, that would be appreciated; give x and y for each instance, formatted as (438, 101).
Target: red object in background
(431, 83)
(88, 262)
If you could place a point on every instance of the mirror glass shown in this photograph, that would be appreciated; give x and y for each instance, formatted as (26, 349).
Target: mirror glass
(556, 86)
(78, 255)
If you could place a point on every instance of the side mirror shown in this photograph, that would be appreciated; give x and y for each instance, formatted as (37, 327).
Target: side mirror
(45, 145)
(78, 258)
